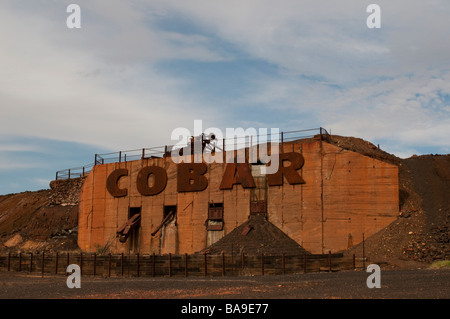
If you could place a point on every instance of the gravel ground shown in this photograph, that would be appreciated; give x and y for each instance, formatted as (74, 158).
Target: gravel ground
(395, 284)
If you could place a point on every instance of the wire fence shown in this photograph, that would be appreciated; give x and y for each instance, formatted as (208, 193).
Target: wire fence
(176, 265)
(240, 139)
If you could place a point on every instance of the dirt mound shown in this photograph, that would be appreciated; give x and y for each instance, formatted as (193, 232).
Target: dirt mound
(17, 209)
(363, 147)
(254, 237)
(29, 223)
(431, 180)
(422, 231)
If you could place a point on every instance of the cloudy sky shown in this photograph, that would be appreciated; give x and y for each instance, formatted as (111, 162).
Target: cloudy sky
(136, 70)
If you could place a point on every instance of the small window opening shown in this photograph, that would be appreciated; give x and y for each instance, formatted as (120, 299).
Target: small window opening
(215, 217)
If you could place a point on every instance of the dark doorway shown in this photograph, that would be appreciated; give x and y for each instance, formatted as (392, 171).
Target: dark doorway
(258, 195)
(169, 210)
(134, 237)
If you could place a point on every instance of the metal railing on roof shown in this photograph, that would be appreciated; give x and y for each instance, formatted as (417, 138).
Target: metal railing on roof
(225, 144)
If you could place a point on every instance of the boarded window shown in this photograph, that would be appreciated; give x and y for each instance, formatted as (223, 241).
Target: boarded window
(258, 207)
(215, 217)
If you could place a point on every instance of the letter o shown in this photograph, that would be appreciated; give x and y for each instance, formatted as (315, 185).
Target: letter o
(160, 180)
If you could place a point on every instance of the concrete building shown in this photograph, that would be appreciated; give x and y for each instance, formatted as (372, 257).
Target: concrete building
(323, 196)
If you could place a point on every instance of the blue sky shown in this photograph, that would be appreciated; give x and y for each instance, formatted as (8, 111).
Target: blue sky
(136, 70)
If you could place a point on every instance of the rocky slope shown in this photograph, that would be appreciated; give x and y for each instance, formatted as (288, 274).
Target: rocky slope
(41, 220)
(422, 231)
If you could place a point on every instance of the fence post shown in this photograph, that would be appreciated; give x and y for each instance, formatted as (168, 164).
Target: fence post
(31, 262)
(354, 262)
(56, 263)
(9, 261)
(170, 264)
(109, 265)
(364, 253)
(137, 266)
(67, 262)
(185, 264)
(206, 265)
(243, 260)
(153, 264)
(43, 263)
(304, 263)
(223, 264)
(20, 261)
(121, 264)
(95, 262)
(283, 265)
(329, 261)
(81, 264)
(262, 264)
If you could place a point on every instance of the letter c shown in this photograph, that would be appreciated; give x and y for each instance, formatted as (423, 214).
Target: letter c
(112, 181)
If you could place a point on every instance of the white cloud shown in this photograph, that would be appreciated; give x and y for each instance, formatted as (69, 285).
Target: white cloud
(8, 164)
(99, 84)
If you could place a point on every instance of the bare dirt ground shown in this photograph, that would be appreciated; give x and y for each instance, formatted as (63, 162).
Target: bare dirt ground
(395, 284)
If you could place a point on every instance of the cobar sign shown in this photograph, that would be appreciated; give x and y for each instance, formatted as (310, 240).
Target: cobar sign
(191, 176)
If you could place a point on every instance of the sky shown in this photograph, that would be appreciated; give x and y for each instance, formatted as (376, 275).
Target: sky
(136, 70)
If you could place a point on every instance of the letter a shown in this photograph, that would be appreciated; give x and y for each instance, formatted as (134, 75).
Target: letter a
(373, 281)
(74, 20)
(73, 280)
(374, 20)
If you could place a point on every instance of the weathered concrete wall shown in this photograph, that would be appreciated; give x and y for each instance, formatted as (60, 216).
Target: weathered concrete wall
(345, 195)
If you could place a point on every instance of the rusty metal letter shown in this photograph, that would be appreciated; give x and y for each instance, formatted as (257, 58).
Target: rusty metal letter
(112, 181)
(159, 184)
(290, 172)
(237, 174)
(190, 177)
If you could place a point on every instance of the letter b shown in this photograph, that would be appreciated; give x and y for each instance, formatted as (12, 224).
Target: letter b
(191, 177)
